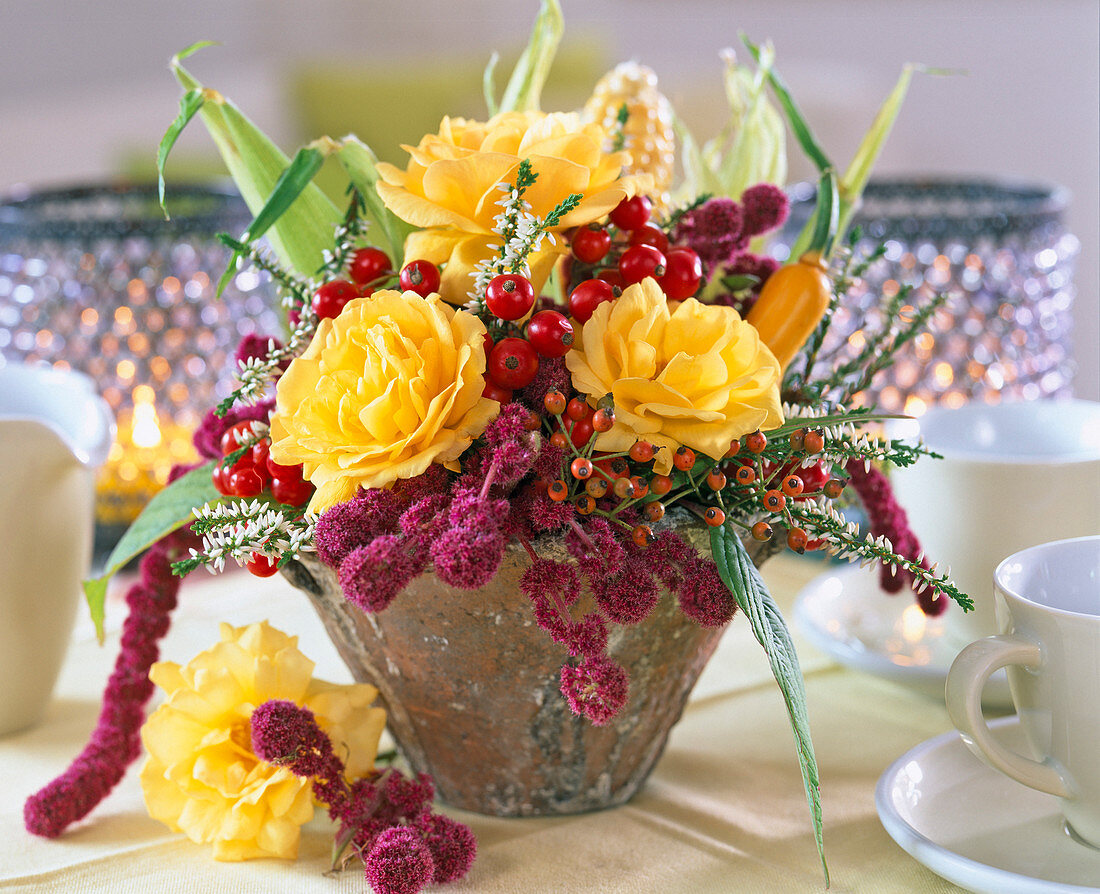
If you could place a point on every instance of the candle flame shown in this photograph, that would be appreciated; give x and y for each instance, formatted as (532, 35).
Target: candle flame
(145, 428)
(913, 623)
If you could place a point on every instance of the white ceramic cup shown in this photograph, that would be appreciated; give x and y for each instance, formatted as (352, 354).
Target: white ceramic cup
(54, 432)
(1049, 615)
(1013, 475)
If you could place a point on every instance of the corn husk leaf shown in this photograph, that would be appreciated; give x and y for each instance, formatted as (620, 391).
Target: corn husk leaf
(360, 163)
(302, 233)
(524, 89)
(488, 84)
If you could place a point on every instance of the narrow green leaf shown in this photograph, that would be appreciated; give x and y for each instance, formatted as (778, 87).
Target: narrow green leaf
(292, 181)
(190, 103)
(300, 237)
(194, 48)
(795, 118)
(488, 84)
(360, 163)
(524, 88)
(744, 582)
(168, 510)
(859, 170)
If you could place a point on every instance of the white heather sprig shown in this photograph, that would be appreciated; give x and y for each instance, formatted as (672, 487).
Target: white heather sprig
(242, 530)
(521, 233)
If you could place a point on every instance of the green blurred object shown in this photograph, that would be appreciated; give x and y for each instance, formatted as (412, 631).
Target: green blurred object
(387, 106)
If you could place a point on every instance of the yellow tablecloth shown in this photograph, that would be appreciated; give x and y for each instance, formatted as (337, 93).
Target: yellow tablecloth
(724, 811)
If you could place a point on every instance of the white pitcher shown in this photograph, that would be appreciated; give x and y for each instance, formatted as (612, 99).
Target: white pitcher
(55, 431)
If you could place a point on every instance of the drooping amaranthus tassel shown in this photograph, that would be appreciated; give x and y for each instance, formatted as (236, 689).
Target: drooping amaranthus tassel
(116, 741)
(889, 519)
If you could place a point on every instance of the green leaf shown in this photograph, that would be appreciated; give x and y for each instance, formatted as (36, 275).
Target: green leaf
(190, 103)
(360, 163)
(744, 582)
(488, 85)
(795, 118)
(169, 510)
(302, 234)
(524, 88)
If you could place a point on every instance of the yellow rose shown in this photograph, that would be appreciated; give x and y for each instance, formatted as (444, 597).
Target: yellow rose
(449, 189)
(697, 375)
(385, 389)
(201, 777)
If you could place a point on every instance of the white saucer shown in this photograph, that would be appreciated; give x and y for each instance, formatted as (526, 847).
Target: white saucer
(846, 615)
(976, 827)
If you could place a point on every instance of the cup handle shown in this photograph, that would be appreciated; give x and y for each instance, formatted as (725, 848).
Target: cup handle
(965, 681)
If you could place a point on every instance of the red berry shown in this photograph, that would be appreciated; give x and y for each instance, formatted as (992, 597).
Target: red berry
(792, 485)
(590, 244)
(774, 501)
(277, 470)
(716, 480)
(513, 363)
(557, 491)
(641, 535)
(330, 298)
(641, 452)
(683, 273)
(613, 468)
(587, 296)
(585, 504)
(623, 488)
(419, 276)
(578, 409)
(660, 485)
(641, 487)
(559, 440)
(735, 448)
(580, 433)
(756, 442)
(596, 487)
(797, 439)
(220, 477)
(650, 234)
(550, 333)
(510, 296)
(292, 491)
(833, 488)
(654, 510)
(493, 391)
(813, 442)
(581, 468)
(632, 213)
(745, 475)
(603, 419)
(762, 531)
(262, 566)
(640, 261)
(797, 539)
(368, 264)
(236, 436)
(714, 516)
(683, 458)
(554, 401)
(612, 277)
(245, 482)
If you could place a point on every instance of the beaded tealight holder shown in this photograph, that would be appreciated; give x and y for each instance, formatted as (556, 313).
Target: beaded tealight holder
(94, 278)
(1001, 253)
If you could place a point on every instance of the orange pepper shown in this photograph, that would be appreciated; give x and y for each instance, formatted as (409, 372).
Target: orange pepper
(791, 304)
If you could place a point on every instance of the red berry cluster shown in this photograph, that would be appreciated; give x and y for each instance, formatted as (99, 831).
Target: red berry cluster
(253, 472)
(638, 248)
(370, 269)
(513, 361)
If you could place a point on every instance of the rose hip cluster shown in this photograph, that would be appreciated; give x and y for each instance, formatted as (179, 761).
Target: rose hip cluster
(384, 817)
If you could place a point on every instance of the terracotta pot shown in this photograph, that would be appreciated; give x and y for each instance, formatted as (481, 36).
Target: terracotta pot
(471, 686)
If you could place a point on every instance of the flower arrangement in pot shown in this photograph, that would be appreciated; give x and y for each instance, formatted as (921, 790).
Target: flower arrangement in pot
(536, 420)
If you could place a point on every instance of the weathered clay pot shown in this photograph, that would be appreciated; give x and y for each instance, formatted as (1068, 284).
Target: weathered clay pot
(471, 686)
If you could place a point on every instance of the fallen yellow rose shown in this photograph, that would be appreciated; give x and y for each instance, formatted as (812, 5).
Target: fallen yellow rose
(696, 375)
(390, 386)
(448, 188)
(201, 777)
